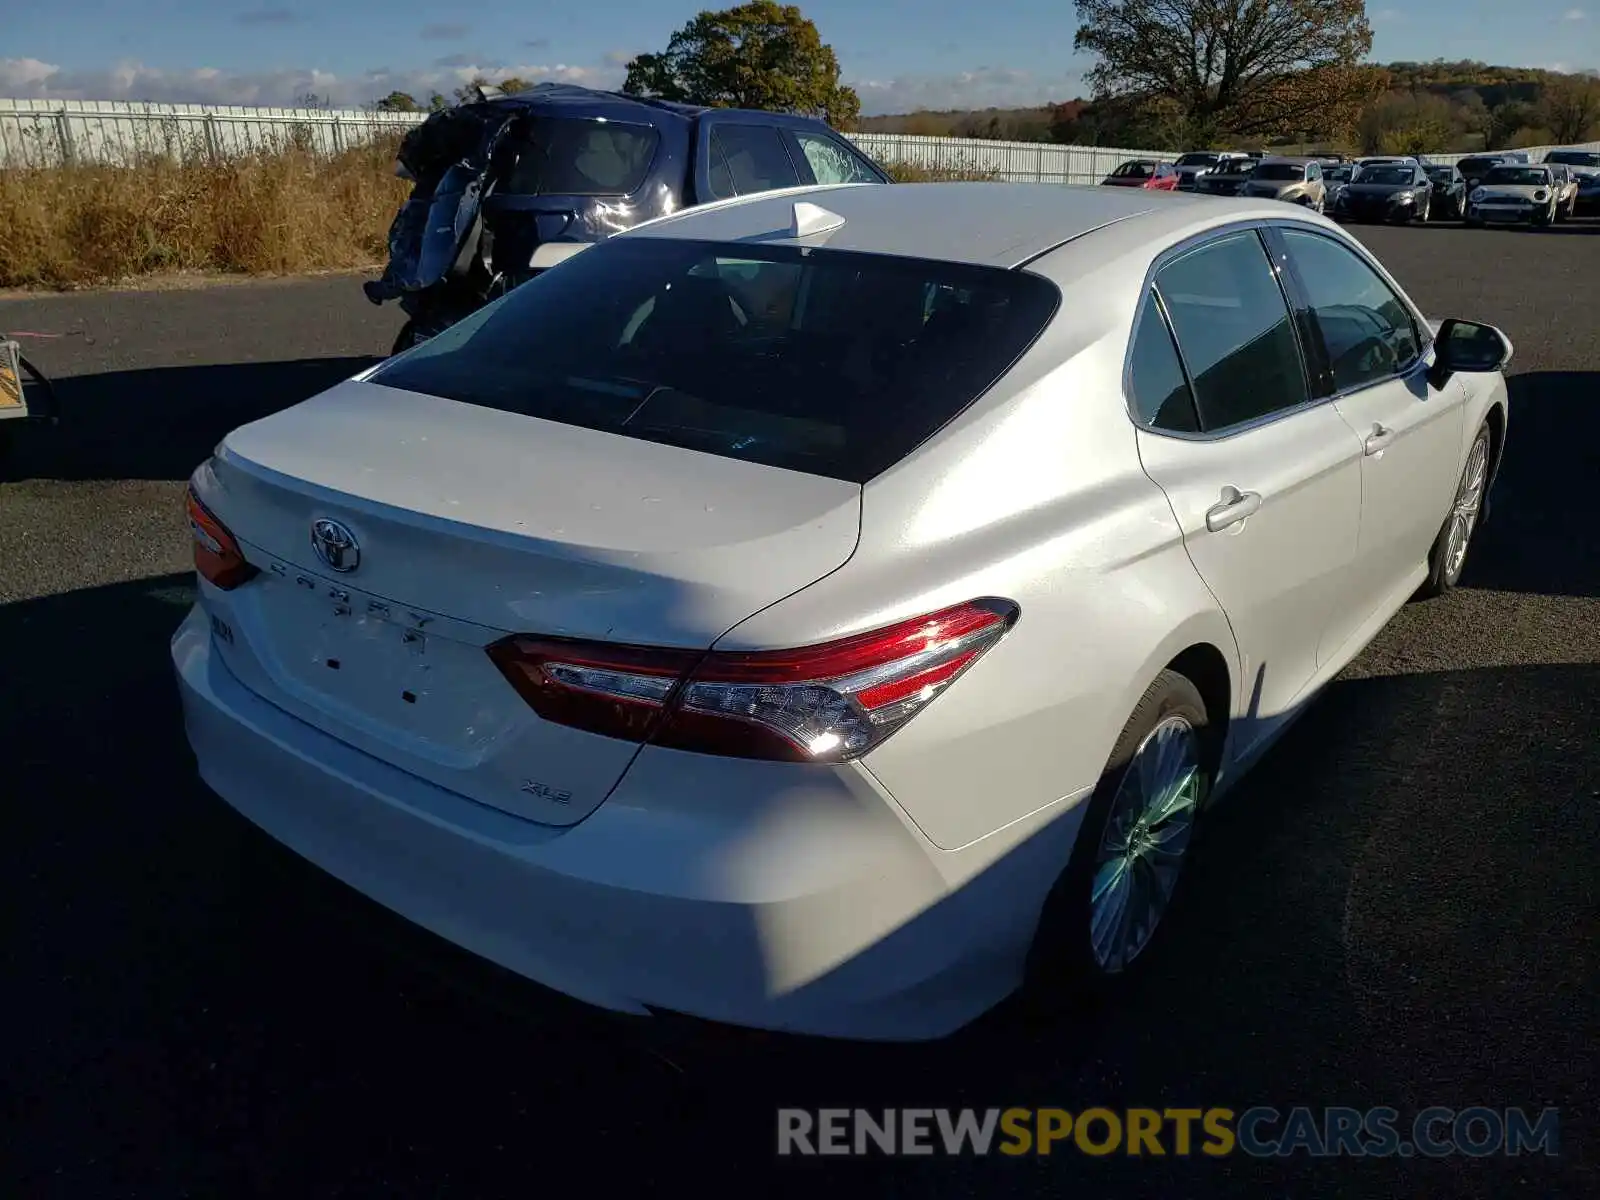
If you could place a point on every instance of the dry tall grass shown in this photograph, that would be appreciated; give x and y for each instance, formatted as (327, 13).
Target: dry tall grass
(275, 212)
(269, 213)
(905, 172)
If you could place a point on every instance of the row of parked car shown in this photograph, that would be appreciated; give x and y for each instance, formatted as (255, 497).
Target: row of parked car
(1498, 188)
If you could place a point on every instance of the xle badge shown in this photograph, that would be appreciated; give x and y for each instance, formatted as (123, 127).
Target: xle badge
(545, 792)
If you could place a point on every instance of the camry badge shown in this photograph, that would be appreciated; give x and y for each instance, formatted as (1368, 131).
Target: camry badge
(335, 545)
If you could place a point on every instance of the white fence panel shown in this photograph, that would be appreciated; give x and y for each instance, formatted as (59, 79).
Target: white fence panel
(49, 132)
(43, 133)
(1016, 162)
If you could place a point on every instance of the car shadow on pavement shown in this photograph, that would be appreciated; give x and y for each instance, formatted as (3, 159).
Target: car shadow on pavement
(1540, 537)
(163, 422)
(1390, 910)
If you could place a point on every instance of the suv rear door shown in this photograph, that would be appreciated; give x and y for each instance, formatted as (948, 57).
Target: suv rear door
(738, 154)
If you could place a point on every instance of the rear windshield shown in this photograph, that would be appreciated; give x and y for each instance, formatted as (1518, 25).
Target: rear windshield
(1442, 174)
(1279, 171)
(1575, 158)
(1476, 164)
(830, 362)
(1518, 176)
(545, 156)
(1196, 160)
(1135, 170)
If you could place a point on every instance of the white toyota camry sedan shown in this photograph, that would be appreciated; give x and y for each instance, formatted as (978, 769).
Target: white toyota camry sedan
(831, 610)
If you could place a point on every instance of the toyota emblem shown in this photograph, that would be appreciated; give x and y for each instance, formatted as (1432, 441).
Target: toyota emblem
(335, 545)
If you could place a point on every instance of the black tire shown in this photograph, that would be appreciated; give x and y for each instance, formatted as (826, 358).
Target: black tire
(7, 438)
(1443, 575)
(405, 339)
(1062, 967)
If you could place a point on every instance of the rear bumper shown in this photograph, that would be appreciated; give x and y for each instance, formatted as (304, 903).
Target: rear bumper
(701, 887)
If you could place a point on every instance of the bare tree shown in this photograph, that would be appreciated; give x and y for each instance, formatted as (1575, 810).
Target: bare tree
(1250, 68)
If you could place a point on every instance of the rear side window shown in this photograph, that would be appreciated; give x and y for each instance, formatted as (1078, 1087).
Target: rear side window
(568, 157)
(829, 362)
(1161, 396)
(749, 158)
(832, 163)
(1233, 327)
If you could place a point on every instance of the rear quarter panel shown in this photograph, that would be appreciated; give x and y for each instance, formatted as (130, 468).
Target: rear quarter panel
(1036, 494)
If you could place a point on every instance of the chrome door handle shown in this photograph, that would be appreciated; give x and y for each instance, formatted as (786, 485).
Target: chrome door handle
(1377, 439)
(1234, 507)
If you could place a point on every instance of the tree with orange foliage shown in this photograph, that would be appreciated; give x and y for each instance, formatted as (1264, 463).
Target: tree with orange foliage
(1245, 68)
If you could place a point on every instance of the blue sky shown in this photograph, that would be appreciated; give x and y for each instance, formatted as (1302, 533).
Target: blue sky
(898, 54)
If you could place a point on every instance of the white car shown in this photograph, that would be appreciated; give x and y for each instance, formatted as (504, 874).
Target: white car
(1517, 194)
(831, 609)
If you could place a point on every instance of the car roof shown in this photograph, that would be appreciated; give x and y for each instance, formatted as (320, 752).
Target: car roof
(1290, 160)
(988, 224)
(574, 100)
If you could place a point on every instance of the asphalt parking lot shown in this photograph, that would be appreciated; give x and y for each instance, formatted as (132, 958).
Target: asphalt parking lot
(1398, 909)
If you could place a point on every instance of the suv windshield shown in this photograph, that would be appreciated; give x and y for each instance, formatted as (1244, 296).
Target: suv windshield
(1518, 176)
(562, 156)
(1386, 175)
(1197, 160)
(1468, 165)
(1441, 174)
(826, 361)
(1575, 158)
(1339, 174)
(1278, 172)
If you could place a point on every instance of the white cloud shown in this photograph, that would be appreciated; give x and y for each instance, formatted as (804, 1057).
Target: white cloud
(1574, 14)
(31, 79)
(984, 87)
(1388, 16)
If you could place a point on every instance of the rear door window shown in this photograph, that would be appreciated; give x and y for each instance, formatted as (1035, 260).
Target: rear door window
(568, 157)
(749, 158)
(1232, 325)
(831, 362)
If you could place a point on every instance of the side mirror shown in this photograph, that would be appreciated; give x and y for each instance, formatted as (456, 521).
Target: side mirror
(1468, 346)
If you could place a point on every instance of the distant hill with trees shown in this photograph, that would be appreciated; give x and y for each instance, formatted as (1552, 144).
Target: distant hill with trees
(1415, 106)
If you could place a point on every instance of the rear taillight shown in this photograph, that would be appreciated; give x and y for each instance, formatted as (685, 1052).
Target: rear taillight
(216, 553)
(827, 703)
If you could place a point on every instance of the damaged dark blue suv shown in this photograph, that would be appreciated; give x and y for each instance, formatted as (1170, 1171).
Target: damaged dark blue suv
(507, 187)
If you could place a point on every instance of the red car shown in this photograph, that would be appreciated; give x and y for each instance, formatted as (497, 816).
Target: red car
(1145, 173)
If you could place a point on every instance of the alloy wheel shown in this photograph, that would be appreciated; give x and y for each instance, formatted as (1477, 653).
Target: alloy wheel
(1468, 505)
(1143, 845)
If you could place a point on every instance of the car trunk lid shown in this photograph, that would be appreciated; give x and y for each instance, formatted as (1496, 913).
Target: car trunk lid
(465, 524)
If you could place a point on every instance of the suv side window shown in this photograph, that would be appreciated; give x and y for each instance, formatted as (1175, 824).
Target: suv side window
(1161, 395)
(1233, 328)
(831, 162)
(1368, 332)
(749, 158)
